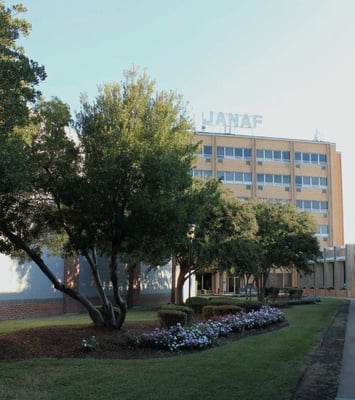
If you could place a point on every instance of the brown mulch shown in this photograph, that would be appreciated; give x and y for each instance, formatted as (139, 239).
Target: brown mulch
(66, 342)
(319, 381)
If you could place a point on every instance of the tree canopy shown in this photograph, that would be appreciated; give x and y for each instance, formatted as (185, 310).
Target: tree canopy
(219, 219)
(104, 192)
(286, 239)
(19, 75)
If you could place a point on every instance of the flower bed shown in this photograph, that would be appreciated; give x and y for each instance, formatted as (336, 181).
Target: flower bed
(203, 335)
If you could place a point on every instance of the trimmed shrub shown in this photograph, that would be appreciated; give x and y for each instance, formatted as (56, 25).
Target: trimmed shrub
(272, 292)
(220, 301)
(249, 305)
(175, 307)
(210, 311)
(170, 318)
(197, 303)
(294, 293)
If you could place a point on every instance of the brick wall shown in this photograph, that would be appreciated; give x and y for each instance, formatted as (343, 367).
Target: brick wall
(19, 309)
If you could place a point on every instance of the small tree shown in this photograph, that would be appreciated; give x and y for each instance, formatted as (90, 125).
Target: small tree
(242, 258)
(218, 218)
(286, 239)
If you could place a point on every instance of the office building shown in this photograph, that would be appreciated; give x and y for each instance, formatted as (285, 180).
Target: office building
(305, 173)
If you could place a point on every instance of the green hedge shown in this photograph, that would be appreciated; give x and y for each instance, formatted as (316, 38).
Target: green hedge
(175, 307)
(248, 305)
(220, 301)
(210, 311)
(272, 292)
(170, 318)
(294, 293)
(197, 303)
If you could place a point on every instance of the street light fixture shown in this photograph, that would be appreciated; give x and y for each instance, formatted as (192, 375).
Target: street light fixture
(191, 236)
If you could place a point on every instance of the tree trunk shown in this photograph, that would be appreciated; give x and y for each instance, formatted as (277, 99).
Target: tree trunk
(173, 281)
(260, 284)
(92, 261)
(106, 317)
(120, 302)
(180, 286)
(133, 283)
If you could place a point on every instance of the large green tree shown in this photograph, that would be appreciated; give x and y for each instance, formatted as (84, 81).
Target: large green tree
(117, 183)
(19, 75)
(286, 239)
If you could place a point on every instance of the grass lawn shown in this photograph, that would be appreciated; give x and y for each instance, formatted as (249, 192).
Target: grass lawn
(262, 367)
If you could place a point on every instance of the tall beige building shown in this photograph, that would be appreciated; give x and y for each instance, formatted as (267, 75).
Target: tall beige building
(305, 173)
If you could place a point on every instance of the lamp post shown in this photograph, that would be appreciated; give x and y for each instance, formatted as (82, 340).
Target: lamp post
(190, 237)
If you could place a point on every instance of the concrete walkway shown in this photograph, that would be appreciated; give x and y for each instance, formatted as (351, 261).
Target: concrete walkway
(346, 388)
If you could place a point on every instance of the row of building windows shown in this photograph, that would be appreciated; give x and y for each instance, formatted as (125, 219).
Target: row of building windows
(273, 155)
(243, 153)
(235, 177)
(265, 179)
(311, 181)
(312, 206)
(273, 180)
(238, 153)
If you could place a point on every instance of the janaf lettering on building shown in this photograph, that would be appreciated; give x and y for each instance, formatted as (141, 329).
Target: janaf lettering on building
(231, 121)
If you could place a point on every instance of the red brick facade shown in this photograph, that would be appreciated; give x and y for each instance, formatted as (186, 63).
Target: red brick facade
(19, 309)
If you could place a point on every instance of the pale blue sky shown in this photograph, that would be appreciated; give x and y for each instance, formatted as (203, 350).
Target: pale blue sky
(291, 61)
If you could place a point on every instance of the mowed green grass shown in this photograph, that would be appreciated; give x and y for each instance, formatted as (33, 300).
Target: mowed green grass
(266, 366)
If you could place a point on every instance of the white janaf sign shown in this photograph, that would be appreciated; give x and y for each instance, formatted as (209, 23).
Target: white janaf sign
(230, 120)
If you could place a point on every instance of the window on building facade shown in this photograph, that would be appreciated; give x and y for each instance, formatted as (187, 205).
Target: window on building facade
(206, 151)
(235, 177)
(273, 155)
(312, 206)
(201, 173)
(238, 153)
(311, 181)
(310, 158)
(273, 180)
(323, 230)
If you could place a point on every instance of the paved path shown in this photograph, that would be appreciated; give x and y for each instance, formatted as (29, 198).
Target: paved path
(346, 388)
